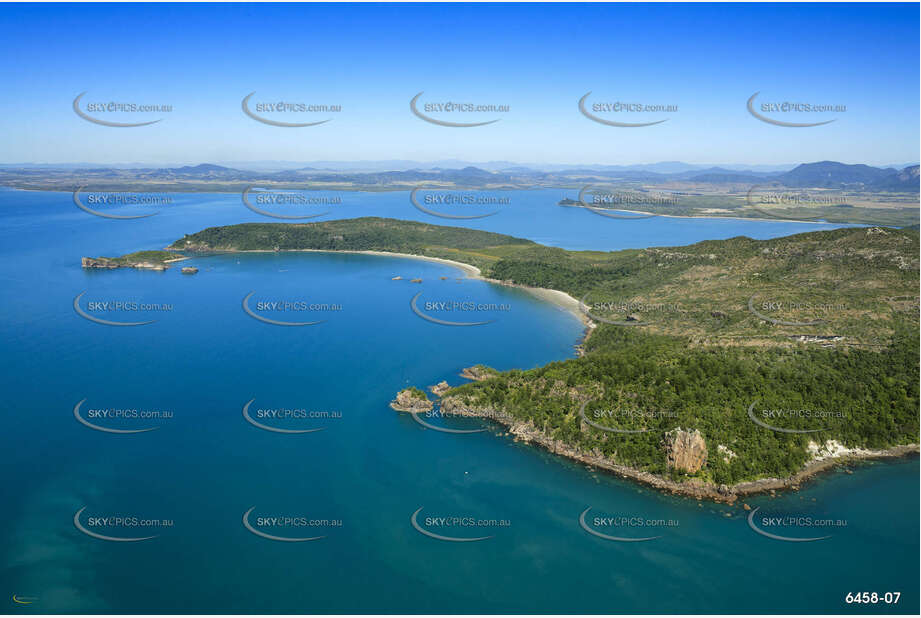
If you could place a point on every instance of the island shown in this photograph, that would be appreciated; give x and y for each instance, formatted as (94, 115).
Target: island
(412, 400)
(713, 370)
(440, 389)
(145, 260)
(478, 373)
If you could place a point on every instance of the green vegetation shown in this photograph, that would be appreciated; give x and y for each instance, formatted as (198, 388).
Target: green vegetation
(862, 283)
(834, 349)
(417, 393)
(153, 257)
(364, 234)
(633, 381)
(693, 200)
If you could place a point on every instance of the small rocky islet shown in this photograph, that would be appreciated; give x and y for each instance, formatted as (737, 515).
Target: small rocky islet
(411, 400)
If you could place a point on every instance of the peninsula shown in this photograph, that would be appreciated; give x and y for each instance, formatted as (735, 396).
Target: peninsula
(714, 370)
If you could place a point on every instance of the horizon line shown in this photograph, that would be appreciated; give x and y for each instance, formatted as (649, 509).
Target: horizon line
(534, 166)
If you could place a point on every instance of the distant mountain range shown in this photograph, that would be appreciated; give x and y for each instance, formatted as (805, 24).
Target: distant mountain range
(823, 174)
(832, 175)
(663, 167)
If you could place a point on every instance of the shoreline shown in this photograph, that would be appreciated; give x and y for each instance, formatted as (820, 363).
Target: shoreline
(525, 432)
(397, 189)
(556, 297)
(699, 490)
(727, 218)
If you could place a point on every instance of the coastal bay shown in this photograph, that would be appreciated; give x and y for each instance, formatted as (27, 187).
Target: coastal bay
(556, 425)
(207, 465)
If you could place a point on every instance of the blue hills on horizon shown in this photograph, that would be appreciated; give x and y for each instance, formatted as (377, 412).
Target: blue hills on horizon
(820, 174)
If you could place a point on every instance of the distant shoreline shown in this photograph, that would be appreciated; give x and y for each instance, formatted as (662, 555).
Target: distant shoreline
(725, 218)
(396, 189)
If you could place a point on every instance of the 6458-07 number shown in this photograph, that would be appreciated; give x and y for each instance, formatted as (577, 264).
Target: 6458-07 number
(872, 597)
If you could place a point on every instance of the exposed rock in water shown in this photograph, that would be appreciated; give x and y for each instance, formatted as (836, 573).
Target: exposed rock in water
(88, 262)
(441, 388)
(685, 450)
(477, 373)
(411, 400)
(415, 280)
(189, 270)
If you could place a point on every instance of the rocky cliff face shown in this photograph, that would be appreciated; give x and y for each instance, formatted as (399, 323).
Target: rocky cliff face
(685, 450)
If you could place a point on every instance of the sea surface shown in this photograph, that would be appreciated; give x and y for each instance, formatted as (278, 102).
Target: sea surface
(357, 481)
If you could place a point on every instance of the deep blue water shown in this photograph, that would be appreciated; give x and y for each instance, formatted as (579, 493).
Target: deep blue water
(369, 468)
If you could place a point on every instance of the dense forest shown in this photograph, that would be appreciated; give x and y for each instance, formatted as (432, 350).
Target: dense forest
(861, 398)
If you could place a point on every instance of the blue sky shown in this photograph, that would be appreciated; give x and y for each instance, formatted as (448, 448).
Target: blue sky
(538, 59)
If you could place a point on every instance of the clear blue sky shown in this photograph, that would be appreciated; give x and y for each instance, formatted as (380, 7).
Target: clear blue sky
(538, 59)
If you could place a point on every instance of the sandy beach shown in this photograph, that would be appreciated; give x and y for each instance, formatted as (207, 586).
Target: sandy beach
(556, 297)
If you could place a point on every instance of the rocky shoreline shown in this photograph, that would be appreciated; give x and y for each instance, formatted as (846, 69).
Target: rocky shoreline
(524, 431)
(111, 264)
(411, 400)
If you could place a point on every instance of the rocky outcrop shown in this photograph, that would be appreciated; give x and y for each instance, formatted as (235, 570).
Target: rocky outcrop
(685, 451)
(526, 431)
(726, 453)
(109, 263)
(440, 389)
(189, 270)
(88, 262)
(477, 373)
(411, 400)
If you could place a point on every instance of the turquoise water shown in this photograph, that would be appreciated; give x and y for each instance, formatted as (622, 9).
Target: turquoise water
(369, 468)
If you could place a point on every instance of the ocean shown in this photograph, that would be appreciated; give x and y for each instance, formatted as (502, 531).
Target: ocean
(373, 484)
